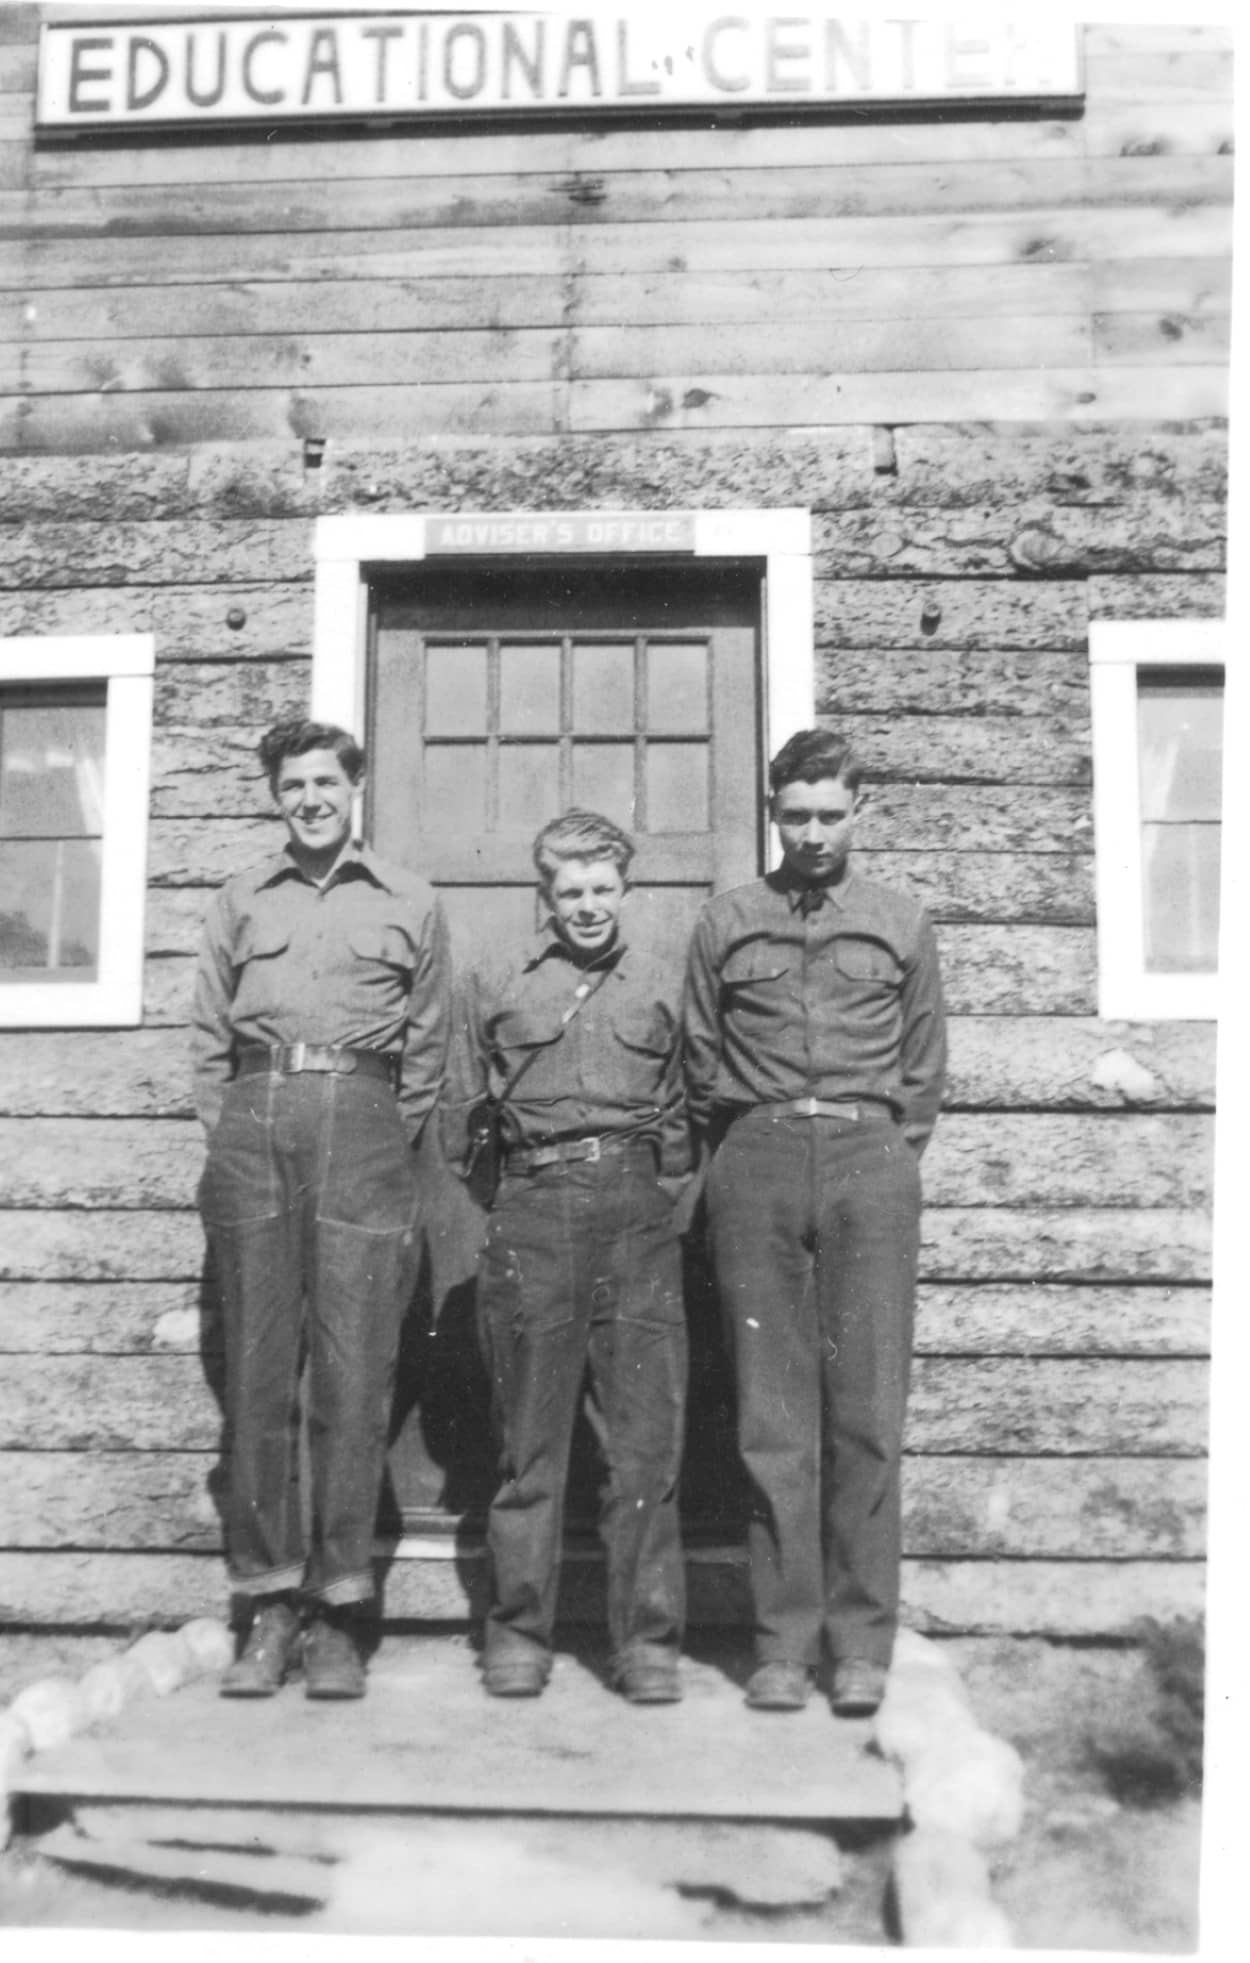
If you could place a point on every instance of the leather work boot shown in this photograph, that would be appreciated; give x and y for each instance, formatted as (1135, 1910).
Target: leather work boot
(269, 1656)
(648, 1676)
(333, 1666)
(515, 1673)
(858, 1687)
(779, 1686)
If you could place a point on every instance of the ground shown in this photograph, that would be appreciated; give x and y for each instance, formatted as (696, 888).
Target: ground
(1086, 1872)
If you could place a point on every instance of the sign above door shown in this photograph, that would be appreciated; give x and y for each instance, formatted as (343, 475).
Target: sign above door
(101, 73)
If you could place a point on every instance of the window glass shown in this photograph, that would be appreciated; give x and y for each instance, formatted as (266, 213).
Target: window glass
(677, 787)
(455, 690)
(529, 690)
(51, 829)
(603, 687)
(529, 785)
(1180, 762)
(603, 780)
(455, 785)
(677, 688)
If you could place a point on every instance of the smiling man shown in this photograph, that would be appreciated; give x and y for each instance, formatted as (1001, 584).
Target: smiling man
(319, 1033)
(580, 1275)
(815, 1054)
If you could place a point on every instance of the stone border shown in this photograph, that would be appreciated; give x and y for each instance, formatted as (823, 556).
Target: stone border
(54, 1709)
(963, 1790)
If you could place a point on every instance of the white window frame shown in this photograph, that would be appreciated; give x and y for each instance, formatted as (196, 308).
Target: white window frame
(1119, 651)
(125, 663)
(347, 548)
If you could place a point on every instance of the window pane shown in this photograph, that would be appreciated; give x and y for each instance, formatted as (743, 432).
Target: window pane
(529, 691)
(677, 688)
(1180, 741)
(677, 790)
(603, 688)
(455, 786)
(52, 770)
(1181, 871)
(529, 785)
(603, 780)
(50, 908)
(455, 690)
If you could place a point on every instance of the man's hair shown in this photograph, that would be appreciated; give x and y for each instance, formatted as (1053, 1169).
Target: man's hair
(296, 737)
(581, 835)
(810, 755)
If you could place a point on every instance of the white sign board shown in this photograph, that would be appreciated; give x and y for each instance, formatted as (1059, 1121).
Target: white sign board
(100, 73)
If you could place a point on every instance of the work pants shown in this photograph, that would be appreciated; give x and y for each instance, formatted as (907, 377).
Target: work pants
(581, 1274)
(309, 1200)
(815, 1227)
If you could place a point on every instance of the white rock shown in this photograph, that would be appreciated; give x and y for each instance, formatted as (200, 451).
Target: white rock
(970, 1784)
(920, 1712)
(942, 1886)
(164, 1660)
(51, 1710)
(208, 1643)
(912, 1651)
(15, 1745)
(108, 1687)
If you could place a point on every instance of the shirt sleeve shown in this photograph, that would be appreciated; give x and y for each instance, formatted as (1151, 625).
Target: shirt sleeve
(212, 1038)
(424, 1055)
(923, 1055)
(468, 1065)
(701, 1041)
(676, 1156)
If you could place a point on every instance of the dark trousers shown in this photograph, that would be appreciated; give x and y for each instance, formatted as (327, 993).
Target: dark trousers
(581, 1274)
(815, 1232)
(309, 1201)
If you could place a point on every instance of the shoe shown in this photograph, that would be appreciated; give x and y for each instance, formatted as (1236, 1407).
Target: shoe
(858, 1687)
(514, 1673)
(332, 1661)
(648, 1679)
(269, 1656)
(779, 1686)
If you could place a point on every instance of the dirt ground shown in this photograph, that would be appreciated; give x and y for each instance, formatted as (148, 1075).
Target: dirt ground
(1087, 1872)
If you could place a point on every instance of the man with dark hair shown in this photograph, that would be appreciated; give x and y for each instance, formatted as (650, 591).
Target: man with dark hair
(319, 1035)
(577, 1032)
(815, 1055)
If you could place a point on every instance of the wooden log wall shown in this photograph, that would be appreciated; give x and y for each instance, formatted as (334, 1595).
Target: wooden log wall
(990, 356)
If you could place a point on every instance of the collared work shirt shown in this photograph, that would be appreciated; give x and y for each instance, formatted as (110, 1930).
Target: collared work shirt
(361, 961)
(841, 1002)
(612, 1067)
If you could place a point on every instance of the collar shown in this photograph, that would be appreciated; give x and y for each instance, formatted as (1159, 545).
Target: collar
(785, 880)
(551, 947)
(357, 862)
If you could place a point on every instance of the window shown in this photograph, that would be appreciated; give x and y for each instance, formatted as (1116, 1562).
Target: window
(1158, 696)
(75, 732)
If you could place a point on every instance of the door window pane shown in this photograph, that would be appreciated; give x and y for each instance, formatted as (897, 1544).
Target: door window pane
(603, 780)
(603, 688)
(677, 787)
(1180, 761)
(454, 791)
(529, 690)
(677, 688)
(529, 785)
(455, 690)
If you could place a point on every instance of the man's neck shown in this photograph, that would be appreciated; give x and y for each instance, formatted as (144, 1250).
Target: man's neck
(320, 867)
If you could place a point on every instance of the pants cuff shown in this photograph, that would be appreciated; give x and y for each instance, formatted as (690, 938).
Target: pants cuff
(344, 1592)
(275, 1581)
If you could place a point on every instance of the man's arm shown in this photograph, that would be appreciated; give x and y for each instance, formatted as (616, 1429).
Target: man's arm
(212, 1039)
(701, 1021)
(424, 1053)
(923, 1056)
(468, 1066)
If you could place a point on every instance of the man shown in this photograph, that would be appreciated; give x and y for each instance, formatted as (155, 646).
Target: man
(815, 1053)
(320, 1030)
(578, 1032)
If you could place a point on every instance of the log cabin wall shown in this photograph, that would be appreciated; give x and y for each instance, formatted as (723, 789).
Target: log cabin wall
(990, 356)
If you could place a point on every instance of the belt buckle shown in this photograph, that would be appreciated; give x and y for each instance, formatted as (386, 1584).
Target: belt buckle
(594, 1151)
(291, 1057)
(805, 1107)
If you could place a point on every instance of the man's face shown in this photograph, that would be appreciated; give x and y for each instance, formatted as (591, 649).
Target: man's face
(816, 823)
(314, 795)
(585, 898)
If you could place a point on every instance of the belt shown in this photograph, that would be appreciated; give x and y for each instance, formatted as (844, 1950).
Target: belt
(589, 1150)
(290, 1059)
(824, 1107)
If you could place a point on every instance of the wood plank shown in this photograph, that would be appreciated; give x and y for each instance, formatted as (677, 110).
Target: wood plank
(909, 340)
(1148, 38)
(1077, 1244)
(708, 399)
(1134, 1407)
(1134, 129)
(1029, 1319)
(1147, 340)
(276, 1883)
(1188, 286)
(585, 201)
(1061, 1598)
(1102, 1507)
(213, 551)
(1083, 233)
(1157, 75)
(1109, 1159)
(1152, 534)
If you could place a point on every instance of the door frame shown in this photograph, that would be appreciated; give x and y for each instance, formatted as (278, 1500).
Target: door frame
(346, 549)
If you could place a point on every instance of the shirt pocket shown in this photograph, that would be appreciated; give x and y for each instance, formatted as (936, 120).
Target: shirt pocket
(257, 967)
(754, 978)
(868, 963)
(646, 1031)
(387, 953)
(518, 1032)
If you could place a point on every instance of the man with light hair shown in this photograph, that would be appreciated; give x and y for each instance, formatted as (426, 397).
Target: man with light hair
(815, 1054)
(576, 1033)
(319, 1028)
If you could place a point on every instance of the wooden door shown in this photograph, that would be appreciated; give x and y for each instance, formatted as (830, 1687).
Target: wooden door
(501, 694)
